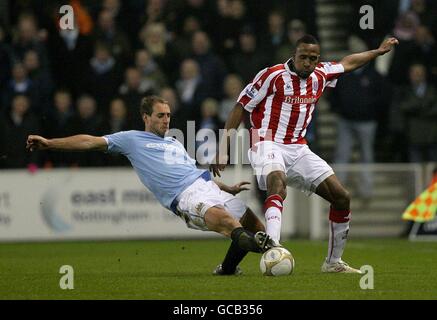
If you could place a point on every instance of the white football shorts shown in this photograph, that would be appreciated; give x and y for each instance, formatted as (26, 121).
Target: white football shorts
(304, 169)
(194, 201)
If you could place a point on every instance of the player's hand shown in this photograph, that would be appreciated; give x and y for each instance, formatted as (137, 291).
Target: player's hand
(36, 143)
(238, 188)
(219, 165)
(387, 45)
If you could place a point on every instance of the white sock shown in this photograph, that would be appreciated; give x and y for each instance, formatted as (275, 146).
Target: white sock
(337, 240)
(273, 223)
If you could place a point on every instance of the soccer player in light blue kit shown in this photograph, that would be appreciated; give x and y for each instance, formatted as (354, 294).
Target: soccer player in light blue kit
(165, 168)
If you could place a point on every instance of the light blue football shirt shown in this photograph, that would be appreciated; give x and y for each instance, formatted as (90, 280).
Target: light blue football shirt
(162, 164)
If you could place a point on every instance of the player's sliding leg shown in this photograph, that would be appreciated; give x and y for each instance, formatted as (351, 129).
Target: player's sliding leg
(219, 220)
(339, 217)
(273, 205)
(235, 254)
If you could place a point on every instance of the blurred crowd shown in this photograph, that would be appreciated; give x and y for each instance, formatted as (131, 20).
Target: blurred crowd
(396, 113)
(198, 55)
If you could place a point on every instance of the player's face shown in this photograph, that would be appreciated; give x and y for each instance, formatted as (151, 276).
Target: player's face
(159, 121)
(306, 59)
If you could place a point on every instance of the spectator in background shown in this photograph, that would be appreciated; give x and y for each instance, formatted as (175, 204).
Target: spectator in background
(182, 42)
(21, 84)
(104, 76)
(423, 11)
(210, 118)
(248, 60)
(232, 87)
(296, 30)
(40, 77)
(126, 17)
(191, 89)
(58, 117)
(112, 6)
(71, 51)
(132, 91)
(425, 51)
(418, 46)
(86, 121)
(211, 66)
(358, 118)
(55, 124)
(405, 30)
(149, 70)
(275, 35)
(116, 122)
(209, 123)
(154, 12)
(179, 116)
(108, 33)
(28, 37)
(117, 118)
(201, 9)
(418, 104)
(14, 129)
(231, 17)
(153, 38)
(406, 25)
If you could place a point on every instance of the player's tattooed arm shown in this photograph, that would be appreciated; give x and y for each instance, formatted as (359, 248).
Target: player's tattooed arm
(235, 189)
(357, 60)
(80, 142)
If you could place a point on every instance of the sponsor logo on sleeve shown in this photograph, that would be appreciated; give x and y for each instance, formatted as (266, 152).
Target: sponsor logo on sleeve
(251, 92)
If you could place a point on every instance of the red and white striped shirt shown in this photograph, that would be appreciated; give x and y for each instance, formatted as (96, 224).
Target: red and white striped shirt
(281, 104)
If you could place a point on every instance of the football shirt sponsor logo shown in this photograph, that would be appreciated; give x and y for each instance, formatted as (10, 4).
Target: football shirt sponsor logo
(300, 100)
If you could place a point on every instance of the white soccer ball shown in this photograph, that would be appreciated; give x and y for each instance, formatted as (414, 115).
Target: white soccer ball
(276, 261)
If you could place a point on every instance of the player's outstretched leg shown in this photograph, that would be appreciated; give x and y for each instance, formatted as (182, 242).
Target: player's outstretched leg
(245, 241)
(260, 242)
(219, 220)
(339, 217)
(235, 254)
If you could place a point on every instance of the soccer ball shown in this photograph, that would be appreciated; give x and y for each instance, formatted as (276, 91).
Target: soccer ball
(276, 261)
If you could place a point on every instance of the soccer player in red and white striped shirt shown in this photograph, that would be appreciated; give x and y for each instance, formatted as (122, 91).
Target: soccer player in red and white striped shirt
(281, 100)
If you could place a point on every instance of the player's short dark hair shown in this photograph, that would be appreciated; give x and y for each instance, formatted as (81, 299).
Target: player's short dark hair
(307, 39)
(148, 102)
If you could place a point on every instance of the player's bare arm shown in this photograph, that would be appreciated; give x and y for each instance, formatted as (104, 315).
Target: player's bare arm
(235, 189)
(80, 142)
(357, 60)
(232, 122)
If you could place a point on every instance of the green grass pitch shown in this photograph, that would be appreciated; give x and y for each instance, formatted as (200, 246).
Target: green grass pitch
(181, 269)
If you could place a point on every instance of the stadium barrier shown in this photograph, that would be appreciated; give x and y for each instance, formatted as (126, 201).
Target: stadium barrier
(75, 204)
(79, 204)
